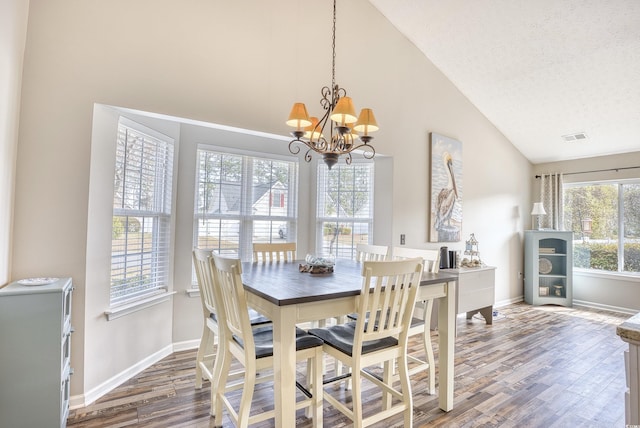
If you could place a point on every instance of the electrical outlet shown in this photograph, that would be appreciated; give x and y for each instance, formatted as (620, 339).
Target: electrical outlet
(402, 239)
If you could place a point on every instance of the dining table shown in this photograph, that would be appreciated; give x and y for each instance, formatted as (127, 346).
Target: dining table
(289, 297)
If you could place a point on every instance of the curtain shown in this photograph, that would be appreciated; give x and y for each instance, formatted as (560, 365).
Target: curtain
(551, 197)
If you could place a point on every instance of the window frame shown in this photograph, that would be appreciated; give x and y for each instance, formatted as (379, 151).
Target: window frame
(159, 260)
(620, 272)
(321, 177)
(246, 217)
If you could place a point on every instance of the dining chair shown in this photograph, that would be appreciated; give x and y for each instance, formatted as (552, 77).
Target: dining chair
(254, 350)
(205, 356)
(421, 321)
(379, 335)
(274, 251)
(368, 252)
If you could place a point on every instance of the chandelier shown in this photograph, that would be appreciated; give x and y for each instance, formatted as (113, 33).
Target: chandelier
(344, 127)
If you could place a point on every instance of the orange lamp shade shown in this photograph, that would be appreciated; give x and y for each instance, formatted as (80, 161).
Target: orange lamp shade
(298, 118)
(366, 122)
(344, 112)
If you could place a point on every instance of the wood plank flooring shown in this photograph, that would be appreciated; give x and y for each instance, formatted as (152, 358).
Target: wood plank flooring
(542, 366)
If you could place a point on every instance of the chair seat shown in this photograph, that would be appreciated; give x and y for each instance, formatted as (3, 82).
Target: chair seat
(415, 321)
(341, 337)
(263, 338)
(255, 317)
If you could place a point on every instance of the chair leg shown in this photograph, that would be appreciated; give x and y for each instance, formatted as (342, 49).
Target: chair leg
(219, 383)
(389, 370)
(428, 348)
(247, 396)
(356, 397)
(205, 348)
(200, 357)
(405, 384)
(317, 369)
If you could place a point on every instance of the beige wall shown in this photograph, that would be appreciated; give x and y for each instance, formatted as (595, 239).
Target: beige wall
(239, 64)
(13, 32)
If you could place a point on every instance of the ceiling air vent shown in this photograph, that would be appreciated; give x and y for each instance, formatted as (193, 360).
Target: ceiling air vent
(569, 138)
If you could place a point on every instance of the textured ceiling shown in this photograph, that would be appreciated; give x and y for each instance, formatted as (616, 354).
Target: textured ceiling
(538, 69)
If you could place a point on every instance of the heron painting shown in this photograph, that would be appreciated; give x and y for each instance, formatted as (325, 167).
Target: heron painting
(446, 189)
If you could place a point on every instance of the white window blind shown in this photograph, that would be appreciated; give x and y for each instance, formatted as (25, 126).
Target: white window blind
(242, 199)
(140, 246)
(344, 208)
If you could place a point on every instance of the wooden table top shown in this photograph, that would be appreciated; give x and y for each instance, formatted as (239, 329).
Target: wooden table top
(283, 284)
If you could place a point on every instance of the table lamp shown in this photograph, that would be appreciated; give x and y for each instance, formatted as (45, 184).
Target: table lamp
(536, 212)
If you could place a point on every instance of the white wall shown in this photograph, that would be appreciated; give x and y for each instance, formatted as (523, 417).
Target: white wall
(240, 64)
(606, 291)
(13, 33)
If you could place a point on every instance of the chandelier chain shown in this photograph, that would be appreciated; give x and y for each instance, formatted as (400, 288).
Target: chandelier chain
(333, 48)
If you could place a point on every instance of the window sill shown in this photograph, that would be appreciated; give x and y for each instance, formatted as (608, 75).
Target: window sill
(620, 276)
(129, 308)
(193, 292)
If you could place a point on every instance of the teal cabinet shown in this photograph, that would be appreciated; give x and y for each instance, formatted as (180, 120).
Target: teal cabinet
(35, 351)
(548, 267)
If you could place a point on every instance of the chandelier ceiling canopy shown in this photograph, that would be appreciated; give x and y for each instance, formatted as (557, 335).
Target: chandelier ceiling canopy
(339, 120)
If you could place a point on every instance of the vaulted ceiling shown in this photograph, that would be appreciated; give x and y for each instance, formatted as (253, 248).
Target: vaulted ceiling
(538, 70)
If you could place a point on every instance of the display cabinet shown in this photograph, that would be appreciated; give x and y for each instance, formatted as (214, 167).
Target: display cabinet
(35, 350)
(548, 267)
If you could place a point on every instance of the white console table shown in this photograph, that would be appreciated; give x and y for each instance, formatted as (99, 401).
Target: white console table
(475, 293)
(629, 331)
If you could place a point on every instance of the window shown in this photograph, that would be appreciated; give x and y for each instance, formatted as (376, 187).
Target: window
(345, 208)
(605, 220)
(140, 246)
(243, 199)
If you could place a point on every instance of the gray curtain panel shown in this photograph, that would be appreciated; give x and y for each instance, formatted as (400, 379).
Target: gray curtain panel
(551, 197)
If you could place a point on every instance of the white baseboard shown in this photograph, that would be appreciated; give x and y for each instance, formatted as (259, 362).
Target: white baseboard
(507, 302)
(186, 345)
(593, 305)
(77, 401)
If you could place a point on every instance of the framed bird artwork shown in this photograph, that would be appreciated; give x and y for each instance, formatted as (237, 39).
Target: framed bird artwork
(446, 189)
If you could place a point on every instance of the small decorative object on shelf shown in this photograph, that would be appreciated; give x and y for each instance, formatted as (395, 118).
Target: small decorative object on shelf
(471, 250)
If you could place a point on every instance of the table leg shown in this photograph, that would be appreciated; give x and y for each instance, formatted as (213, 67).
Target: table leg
(446, 333)
(284, 365)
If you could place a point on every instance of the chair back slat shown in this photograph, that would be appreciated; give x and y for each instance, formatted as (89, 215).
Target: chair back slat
(431, 257)
(367, 252)
(274, 252)
(233, 310)
(388, 294)
(205, 277)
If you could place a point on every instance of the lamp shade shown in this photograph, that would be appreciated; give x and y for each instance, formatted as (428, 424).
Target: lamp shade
(344, 112)
(538, 209)
(366, 122)
(298, 118)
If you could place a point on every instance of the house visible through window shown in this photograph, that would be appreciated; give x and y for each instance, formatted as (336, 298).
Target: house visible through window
(140, 246)
(605, 220)
(243, 199)
(344, 208)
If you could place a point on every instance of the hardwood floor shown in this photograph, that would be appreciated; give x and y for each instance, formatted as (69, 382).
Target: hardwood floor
(542, 366)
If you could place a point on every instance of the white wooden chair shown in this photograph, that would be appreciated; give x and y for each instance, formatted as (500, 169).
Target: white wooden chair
(367, 252)
(379, 335)
(206, 354)
(254, 350)
(274, 252)
(421, 322)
